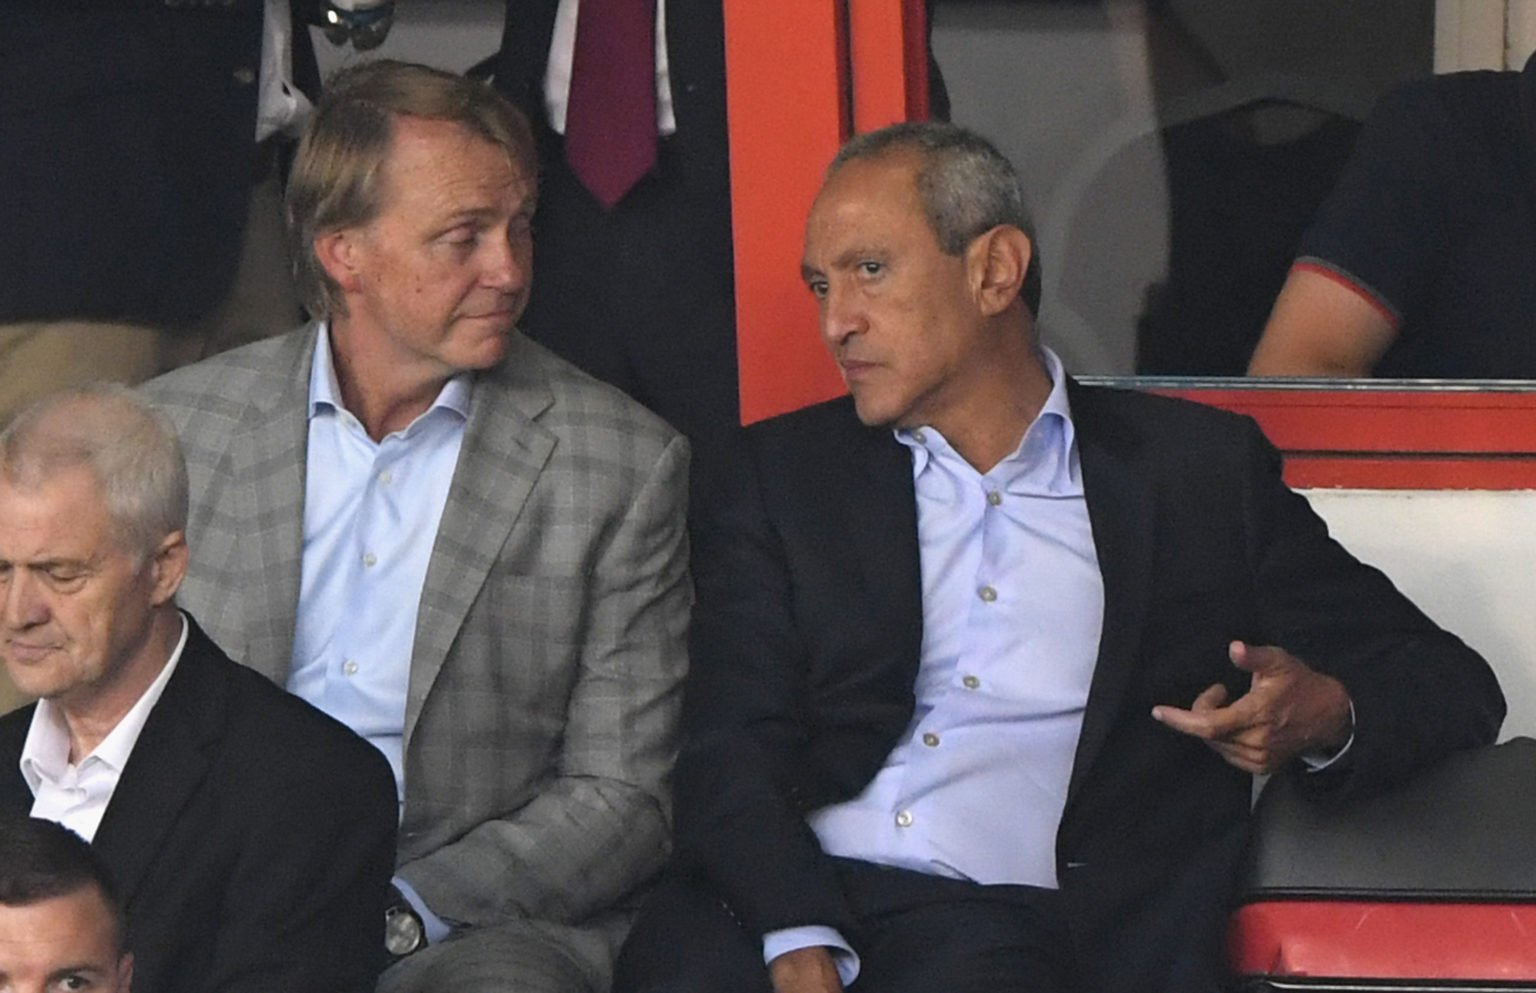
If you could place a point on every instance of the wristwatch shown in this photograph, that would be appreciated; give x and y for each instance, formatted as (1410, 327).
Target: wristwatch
(404, 932)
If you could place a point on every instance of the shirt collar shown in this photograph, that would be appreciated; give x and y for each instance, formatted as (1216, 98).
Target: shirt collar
(325, 388)
(1046, 459)
(45, 753)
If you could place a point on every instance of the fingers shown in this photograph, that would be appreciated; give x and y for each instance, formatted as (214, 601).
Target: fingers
(1262, 660)
(1247, 757)
(805, 970)
(1214, 697)
(1288, 708)
(1208, 717)
(1225, 730)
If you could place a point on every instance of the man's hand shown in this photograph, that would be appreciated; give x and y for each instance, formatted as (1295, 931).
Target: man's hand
(1289, 708)
(805, 970)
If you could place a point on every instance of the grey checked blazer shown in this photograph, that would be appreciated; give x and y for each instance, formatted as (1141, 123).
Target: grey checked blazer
(540, 726)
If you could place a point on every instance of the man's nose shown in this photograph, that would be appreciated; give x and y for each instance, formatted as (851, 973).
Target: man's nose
(840, 317)
(24, 606)
(507, 268)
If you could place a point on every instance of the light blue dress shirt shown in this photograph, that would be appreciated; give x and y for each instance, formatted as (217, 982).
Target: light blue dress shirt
(1013, 607)
(371, 511)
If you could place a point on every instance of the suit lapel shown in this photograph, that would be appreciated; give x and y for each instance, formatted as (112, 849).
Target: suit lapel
(168, 765)
(268, 461)
(1120, 509)
(881, 512)
(504, 451)
(15, 796)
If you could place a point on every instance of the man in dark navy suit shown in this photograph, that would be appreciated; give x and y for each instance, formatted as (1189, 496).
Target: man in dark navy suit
(250, 836)
(983, 659)
(640, 292)
(136, 133)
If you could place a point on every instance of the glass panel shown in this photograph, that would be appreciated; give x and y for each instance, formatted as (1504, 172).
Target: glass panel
(1173, 152)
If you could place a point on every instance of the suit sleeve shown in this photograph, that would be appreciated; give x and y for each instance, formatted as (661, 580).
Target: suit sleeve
(742, 795)
(304, 908)
(1419, 692)
(600, 825)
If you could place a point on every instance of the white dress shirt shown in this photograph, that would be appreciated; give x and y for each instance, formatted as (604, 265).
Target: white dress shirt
(1013, 606)
(76, 794)
(371, 511)
(281, 107)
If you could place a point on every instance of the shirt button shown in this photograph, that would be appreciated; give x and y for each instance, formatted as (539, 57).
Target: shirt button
(971, 682)
(919, 437)
(349, 667)
(931, 740)
(904, 819)
(994, 498)
(244, 75)
(369, 559)
(987, 594)
(386, 477)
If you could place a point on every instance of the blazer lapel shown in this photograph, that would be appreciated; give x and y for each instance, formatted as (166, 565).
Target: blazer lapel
(268, 460)
(881, 512)
(1120, 509)
(168, 764)
(504, 451)
(866, 525)
(15, 796)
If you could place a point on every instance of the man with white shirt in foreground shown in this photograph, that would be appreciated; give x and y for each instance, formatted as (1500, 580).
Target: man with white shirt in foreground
(983, 658)
(61, 924)
(250, 836)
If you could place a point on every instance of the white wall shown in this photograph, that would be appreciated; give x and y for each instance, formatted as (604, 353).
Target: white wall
(1467, 558)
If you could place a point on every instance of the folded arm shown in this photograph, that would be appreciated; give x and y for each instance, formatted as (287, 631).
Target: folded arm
(599, 826)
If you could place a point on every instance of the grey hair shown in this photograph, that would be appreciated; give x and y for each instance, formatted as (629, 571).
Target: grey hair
(966, 186)
(126, 444)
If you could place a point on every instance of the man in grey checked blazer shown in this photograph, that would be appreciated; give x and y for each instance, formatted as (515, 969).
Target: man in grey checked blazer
(544, 676)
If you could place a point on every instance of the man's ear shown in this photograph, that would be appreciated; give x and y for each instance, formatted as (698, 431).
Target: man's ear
(168, 565)
(998, 260)
(125, 973)
(339, 254)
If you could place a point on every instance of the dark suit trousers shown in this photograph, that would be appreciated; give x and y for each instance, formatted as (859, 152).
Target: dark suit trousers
(916, 934)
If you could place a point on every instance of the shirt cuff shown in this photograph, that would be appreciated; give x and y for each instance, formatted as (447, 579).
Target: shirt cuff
(776, 943)
(1317, 761)
(435, 927)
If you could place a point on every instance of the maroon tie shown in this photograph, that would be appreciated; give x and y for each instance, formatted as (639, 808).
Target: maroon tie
(610, 119)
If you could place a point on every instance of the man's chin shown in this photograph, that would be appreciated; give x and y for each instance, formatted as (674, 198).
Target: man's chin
(871, 412)
(487, 351)
(32, 681)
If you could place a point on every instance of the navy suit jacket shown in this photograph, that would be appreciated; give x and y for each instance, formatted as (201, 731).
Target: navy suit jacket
(129, 137)
(807, 635)
(251, 837)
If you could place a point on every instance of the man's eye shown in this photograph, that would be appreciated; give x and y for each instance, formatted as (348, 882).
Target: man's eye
(818, 288)
(75, 982)
(871, 268)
